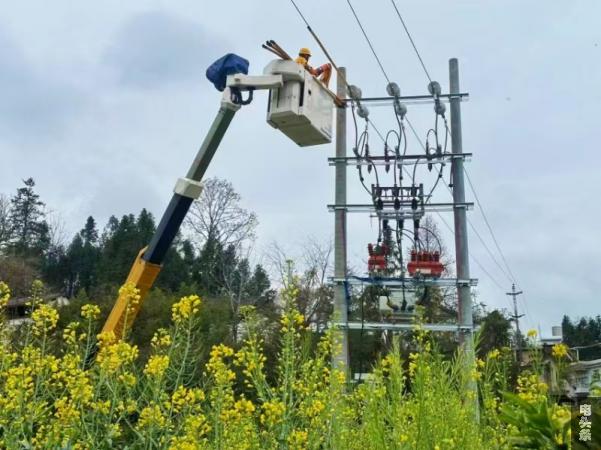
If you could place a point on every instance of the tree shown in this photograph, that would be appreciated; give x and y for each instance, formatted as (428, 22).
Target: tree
(5, 229)
(583, 333)
(121, 242)
(119, 249)
(316, 295)
(495, 332)
(217, 215)
(29, 229)
(89, 233)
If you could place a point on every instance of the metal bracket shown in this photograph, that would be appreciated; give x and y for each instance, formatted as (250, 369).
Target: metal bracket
(252, 82)
(188, 188)
(378, 326)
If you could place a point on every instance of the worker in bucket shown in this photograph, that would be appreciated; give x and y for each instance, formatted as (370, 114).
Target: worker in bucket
(323, 72)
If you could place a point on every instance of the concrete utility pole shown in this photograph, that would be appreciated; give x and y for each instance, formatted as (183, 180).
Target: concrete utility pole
(340, 359)
(466, 320)
(516, 318)
(459, 212)
(289, 278)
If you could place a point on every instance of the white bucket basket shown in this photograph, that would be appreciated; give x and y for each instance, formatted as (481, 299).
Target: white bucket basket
(302, 108)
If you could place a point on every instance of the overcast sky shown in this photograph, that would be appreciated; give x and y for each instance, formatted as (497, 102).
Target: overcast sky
(105, 103)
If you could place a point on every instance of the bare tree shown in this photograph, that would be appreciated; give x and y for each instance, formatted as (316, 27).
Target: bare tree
(316, 296)
(278, 260)
(5, 231)
(57, 231)
(312, 271)
(217, 215)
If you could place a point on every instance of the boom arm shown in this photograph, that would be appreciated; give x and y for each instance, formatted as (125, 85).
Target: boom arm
(148, 263)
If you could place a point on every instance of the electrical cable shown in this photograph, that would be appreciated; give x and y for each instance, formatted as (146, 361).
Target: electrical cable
(468, 220)
(411, 39)
(368, 41)
(300, 13)
(492, 234)
(472, 257)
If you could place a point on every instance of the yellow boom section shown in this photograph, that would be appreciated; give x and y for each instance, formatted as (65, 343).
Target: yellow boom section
(142, 276)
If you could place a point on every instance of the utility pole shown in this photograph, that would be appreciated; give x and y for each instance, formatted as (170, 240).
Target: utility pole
(516, 319)
(459, 213)
(341, 358)
(289, 278)
(466, 320)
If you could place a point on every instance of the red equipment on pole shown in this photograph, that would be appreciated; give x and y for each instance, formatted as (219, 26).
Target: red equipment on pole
(378, 258)
(425, 263)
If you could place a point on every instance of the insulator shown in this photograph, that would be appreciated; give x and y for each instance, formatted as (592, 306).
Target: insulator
(439, 108)
(414, 203)
(354, 92)
(439, 149)
(434, 88)
(387, 168)
(393, 89)
(395, 191)
(397, 204)
(379, 204)
(400, 109)
(429, 167)
(369, 169)
(363, 112)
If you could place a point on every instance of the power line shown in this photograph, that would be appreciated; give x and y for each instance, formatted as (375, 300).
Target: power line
(299, 12)
(373, 125)
(488, 225)
(468, 221)
(490, 253)
(472, 257)
(411, 39)
(368, 41)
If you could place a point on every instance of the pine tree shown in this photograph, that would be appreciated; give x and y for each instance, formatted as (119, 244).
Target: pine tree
(30, 234)
(89, 233)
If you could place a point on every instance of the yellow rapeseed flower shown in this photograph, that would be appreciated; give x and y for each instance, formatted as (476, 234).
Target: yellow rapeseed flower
(90, 311)
(559, 350)
(494, 354)
(161, 339)
(532, 334)
(185, 308)
(113, 356)
(298, 439)
(4, 294)
(151, 416)
(272, 412)
(45, 318)
(156, 366)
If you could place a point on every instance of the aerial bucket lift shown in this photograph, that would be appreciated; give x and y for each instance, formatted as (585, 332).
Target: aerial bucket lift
(302, 107)
(298, 106)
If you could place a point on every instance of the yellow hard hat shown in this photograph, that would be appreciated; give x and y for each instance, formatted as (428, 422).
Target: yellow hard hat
(304, 51)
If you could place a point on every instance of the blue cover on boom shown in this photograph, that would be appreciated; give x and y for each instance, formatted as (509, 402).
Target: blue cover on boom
(226, 65)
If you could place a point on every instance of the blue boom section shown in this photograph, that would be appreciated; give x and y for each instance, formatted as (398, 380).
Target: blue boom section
(226, 65)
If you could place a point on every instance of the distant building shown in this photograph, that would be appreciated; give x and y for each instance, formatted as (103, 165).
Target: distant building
(18, 309)
(582, 377)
